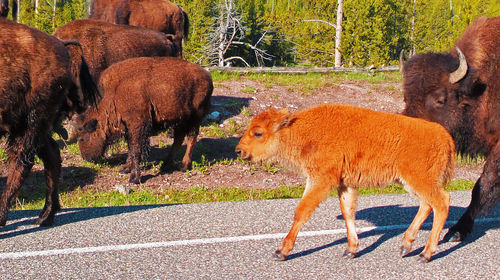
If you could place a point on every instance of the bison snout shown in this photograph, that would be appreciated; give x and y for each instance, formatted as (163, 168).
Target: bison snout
(242, 154)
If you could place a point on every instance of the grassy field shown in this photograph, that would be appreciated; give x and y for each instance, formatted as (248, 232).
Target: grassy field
(33, 197)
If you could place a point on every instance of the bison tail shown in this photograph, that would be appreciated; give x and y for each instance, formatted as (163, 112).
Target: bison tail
(186, 24)
(450, 164)
(89, 94)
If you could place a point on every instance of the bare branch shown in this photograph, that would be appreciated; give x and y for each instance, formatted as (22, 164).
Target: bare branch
(320, 20)
(236, 57)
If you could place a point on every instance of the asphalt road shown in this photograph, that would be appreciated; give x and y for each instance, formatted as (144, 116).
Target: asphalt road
(235, 240)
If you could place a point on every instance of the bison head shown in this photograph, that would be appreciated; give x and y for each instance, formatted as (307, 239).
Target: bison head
(442, 88)
(260, 140)
(91, 138)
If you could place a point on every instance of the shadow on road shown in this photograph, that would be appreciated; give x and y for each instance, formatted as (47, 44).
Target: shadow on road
(397, 215)
(63, 217)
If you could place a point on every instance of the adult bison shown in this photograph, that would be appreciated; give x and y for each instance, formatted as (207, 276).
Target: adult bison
(461, 90)
(105, 43)
(104, 10)
(4, 9)
(143, 95)
(41, 80)
(160, 15)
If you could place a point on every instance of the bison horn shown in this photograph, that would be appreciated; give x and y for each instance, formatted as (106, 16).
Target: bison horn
(401, 61)
(459, 74)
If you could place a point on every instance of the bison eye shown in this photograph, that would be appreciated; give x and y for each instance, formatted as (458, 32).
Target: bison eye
(257, 134)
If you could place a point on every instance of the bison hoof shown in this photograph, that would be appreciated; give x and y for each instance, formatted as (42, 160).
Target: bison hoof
(423, 259)
(278, 256)
(454, 236)
(125, 170)
(348, 255)
(134, 180)
(45, 222)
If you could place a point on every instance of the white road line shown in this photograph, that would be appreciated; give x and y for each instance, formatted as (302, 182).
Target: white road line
(203, 241)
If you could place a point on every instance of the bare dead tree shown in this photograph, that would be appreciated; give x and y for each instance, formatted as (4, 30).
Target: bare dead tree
(338, 31)
(229, 31)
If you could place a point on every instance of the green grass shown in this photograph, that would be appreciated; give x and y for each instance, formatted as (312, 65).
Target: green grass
(90, 198)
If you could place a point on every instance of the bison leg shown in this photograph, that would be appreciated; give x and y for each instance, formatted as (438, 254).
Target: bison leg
(20, 164)
(318, 192)
(51, 158)
(135, 143)
(423, 212)
(485, 195)
(168, 162)
(191, 141)
(347, 198)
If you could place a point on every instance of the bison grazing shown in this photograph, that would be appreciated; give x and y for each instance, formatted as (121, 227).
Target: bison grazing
(461, 91)
(4, 9)
(160, 15)
(40, 82)
(106, 43)
(337, 146)
(142, 95)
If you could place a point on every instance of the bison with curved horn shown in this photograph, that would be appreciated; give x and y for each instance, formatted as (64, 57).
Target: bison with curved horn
(42, 80)
(460, 89)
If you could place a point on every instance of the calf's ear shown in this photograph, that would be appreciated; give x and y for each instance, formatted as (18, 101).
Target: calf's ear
(285, 119)
(90, 126)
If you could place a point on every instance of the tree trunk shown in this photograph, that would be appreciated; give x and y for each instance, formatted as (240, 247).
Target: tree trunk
(338, 33)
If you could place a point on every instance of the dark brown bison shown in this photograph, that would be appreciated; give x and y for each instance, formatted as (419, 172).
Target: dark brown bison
(143, 95)
(105, 43)
(41, 81)
(4, 9)
(104, 10)
(461, 90)
(160, 15)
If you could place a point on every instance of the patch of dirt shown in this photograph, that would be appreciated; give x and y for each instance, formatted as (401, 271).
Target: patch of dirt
(235, 103)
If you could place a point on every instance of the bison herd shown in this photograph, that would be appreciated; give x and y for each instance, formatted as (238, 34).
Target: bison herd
(120, 73)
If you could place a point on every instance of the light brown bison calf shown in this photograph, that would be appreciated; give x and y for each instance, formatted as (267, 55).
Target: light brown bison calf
(337, 146)
(142, 95)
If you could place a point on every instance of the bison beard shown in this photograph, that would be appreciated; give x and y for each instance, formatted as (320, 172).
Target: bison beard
(467, 104)
(37, 90)
(343, 147)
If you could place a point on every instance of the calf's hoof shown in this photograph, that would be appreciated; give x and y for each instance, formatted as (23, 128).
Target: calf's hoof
(404, 251)
(423, 259)
(278, 256)
(348, 255)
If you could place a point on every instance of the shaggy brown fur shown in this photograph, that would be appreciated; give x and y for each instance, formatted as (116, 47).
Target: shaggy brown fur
(337, 146)
(161, 15)
(469, 109)
(104, 10)
(37, 90)
(143, 95)
(106, 43)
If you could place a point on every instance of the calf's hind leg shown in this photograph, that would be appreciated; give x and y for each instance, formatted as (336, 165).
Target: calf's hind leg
(348, 198)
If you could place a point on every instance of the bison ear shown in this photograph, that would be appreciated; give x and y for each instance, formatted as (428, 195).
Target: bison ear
(90, 126)
(284, 120)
